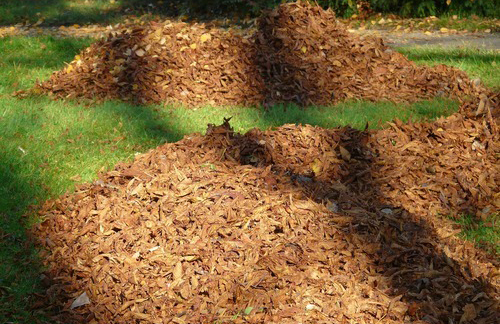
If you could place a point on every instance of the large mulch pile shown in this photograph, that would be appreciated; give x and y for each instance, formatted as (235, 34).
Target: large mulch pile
(294, 225)
(297, 53)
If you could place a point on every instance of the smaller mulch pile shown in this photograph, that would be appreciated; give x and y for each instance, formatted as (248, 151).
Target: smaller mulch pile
(294, 225)
(298, 53)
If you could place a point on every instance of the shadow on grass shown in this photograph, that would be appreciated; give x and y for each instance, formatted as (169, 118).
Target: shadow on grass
(19, 269)
(68, 12)
(57, 12)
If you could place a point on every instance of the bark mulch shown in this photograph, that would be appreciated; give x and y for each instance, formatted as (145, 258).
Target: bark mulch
(294, 225)
(296, 53)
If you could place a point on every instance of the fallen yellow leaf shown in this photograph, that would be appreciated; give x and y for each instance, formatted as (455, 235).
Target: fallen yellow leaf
(193, 46)
(303, 49)
(316, 166)
(205, 38)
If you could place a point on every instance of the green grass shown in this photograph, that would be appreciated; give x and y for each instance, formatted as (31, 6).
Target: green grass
(485, 234)
(53, 12)
(483, 64)
(47, 146)
(84, 12)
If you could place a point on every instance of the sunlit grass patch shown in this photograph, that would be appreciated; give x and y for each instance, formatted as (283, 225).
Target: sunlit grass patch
(26, 59)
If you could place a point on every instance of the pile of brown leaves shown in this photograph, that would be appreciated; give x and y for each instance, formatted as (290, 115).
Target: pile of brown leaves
(294, 225)
(298, 53)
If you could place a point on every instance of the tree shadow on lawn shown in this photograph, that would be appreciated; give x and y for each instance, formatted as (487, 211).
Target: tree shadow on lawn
(68, 12)
(58, 12)
(19, 267)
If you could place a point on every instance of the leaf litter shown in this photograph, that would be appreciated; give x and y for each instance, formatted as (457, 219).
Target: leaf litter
(298, 224)
(296, 53)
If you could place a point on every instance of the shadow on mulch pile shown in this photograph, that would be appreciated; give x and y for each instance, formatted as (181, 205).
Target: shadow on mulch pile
(297, 224)
(298, 53)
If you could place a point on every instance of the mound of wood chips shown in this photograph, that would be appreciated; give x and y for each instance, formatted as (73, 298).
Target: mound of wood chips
(297, 53)
(294, 225)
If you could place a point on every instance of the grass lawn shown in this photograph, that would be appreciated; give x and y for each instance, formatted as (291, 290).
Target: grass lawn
(48, 146)
(58, 11)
